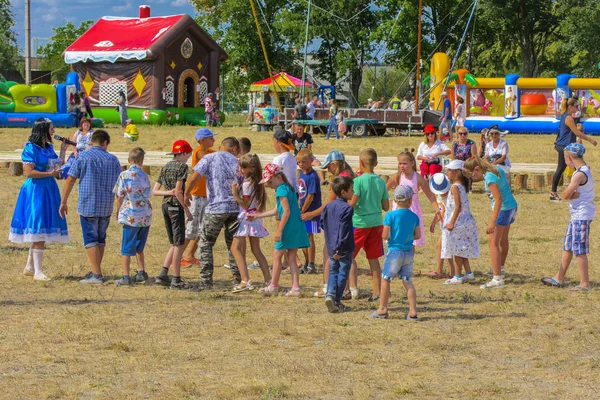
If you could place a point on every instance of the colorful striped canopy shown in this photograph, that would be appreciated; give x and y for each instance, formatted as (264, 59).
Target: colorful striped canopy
(283, 83)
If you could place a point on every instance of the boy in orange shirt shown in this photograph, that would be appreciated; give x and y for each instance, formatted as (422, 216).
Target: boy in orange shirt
(205, 139)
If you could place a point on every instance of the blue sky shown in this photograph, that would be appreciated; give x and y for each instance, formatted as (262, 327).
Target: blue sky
(47, 14)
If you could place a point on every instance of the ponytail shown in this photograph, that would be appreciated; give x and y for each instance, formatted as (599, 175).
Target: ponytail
(482, 164)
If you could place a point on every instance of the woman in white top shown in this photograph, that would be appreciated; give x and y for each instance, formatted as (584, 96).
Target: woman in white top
(83, 136)
(429, 152)
(496, 151)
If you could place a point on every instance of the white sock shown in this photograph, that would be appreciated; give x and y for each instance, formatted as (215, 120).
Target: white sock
(38, 255)
(29, 266)
(499, 277)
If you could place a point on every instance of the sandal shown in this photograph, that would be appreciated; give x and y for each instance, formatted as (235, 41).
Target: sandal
(580, 289)
(376, 314)
(554, 197)
(552, 282)
(435, 275)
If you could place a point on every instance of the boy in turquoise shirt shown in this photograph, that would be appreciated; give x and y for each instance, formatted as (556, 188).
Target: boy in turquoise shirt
(370, 199)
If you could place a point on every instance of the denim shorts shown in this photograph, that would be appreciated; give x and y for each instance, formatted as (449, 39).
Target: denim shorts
(94, 230)
(577, 237)
(134, 240)
(507, 217)
(398, 263)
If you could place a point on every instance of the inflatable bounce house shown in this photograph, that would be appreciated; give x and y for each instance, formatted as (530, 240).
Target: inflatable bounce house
(21, 105)
(166, 66)
(528, 105)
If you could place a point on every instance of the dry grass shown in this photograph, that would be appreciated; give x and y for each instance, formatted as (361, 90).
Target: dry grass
(64, 340)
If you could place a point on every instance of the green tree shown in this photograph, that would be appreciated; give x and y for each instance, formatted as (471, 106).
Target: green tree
(232, 25)
(52, 52)
(9, 51)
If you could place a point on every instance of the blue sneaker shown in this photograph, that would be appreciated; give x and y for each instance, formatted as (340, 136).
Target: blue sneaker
(93, 280)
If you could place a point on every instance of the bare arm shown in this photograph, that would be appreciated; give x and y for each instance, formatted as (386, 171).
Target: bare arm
(285, 216)
(497, 207)
(157, 192)
(191, 183)
(386, 232)
(571, 124)
(63, 210)
(385, 204)
(307, 203)
(391, 183)
(570, 192)
(455, 192)
(119, 205)
(417, 233)
(353, 201)
(30, 172)
(243, 201)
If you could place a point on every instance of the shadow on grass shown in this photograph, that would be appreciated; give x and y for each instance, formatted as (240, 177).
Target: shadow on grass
(473, 316)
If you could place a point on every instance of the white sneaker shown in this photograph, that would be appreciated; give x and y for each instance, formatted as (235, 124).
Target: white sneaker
(468, 277)
(254, 265)
(27, 272)
(490, 273)
(493, 284)
(455, 280)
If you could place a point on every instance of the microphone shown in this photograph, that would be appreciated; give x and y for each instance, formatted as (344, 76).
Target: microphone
(65, 140)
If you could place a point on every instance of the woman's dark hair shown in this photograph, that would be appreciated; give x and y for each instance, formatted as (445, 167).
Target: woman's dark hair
(89, 121)
(41, 131)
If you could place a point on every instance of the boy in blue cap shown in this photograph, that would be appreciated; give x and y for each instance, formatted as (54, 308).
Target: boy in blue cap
(580, 194)
(206, 139)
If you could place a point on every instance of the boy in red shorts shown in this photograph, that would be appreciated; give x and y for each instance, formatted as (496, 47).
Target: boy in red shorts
(370, 199)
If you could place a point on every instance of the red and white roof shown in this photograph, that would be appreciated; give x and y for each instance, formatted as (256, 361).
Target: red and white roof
(113, 38)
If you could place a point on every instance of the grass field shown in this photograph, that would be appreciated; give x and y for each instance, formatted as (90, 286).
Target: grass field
(61, 339)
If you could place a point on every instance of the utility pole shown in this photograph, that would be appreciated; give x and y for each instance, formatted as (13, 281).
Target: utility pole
(305, 48)
(418, 71)
(27, 43)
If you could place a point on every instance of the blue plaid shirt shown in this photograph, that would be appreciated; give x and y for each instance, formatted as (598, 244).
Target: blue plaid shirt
(97, 171)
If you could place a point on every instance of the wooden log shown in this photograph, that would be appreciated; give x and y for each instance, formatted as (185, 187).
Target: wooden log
(538, 182)
(15, 168)
(566, 179)
(5, 164)
(549, 177)
(525, 180)
(518, 182)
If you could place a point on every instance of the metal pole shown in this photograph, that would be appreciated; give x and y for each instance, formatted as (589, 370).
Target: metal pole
(264, 49)
(27, 43)
(305, 48)
(418, 72)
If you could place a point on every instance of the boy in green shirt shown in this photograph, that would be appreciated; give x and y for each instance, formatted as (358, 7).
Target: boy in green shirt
(370, 199)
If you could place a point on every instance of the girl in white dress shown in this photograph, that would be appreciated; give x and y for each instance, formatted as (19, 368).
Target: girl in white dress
(252, 200)
(460, 238)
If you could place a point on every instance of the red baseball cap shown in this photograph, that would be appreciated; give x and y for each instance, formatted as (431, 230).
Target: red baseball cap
(428, 129)
(179, 147)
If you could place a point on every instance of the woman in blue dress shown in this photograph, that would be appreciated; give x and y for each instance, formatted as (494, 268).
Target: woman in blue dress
(36, 219)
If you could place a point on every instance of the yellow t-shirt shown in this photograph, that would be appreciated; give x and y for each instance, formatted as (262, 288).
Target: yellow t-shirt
(132, 131)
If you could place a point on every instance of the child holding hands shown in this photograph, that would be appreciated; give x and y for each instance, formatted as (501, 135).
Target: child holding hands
(370, 199)
(251, 199)
(172, 177)
(291, 231)
(460, 238)
(336, 220)
(135, 214)
(309, 194)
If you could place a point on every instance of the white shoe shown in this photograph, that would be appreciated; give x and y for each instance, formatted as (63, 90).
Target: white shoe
(41, 277)
(490, 273)
(493, 284)
(455, 280)
(27, 272)
(354, 292)
(468, 277)
(254, 265)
